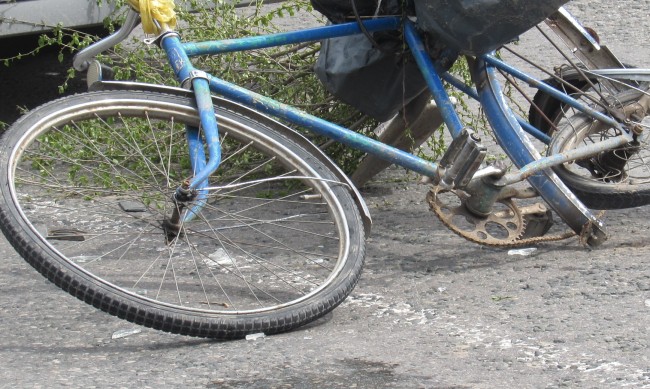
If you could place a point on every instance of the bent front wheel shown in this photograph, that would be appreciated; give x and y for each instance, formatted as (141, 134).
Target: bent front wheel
(88, 183)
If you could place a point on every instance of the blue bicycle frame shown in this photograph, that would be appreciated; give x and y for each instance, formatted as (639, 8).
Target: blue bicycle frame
(508, 130)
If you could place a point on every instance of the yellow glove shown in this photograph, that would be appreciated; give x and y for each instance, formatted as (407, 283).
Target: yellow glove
(161, 11)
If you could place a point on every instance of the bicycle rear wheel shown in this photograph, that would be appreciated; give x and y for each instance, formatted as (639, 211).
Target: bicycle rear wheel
(614, 179)
(88, 181)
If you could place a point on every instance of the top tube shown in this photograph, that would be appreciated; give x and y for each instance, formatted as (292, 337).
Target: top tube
(314, 34)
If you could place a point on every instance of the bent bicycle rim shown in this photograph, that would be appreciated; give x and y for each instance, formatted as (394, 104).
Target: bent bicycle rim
(277, 243)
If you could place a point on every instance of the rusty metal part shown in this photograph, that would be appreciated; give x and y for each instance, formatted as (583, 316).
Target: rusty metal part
(636, 111)
(505, 227)
(538, 218)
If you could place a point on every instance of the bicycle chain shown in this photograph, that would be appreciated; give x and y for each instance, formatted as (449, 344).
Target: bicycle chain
(493, 242)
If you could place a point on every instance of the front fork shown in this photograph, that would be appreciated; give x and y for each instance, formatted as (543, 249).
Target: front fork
(194, 190)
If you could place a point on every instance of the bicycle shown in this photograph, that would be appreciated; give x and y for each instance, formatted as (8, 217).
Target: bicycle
(218, 220)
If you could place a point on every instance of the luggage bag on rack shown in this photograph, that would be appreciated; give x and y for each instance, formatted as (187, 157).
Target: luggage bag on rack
(379, 81)
(377, 78)
(339, 11)
(476, 27)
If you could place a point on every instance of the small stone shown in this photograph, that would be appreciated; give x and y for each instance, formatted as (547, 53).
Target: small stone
(523, 252)
(259, 335)
(125, 332)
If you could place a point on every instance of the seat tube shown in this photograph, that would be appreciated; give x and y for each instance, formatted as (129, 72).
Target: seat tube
(436, 87)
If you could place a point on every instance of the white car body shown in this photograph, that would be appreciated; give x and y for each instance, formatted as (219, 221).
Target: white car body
(25, 17)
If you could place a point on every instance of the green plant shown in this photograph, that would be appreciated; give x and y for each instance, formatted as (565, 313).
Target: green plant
(283, 73)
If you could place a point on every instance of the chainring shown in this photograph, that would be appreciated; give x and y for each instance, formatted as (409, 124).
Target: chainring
(501, 227)
(505, 226)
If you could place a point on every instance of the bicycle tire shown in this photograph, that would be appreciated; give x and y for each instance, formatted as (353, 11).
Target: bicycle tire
(603, 185)
(613, 179)
(546, 111)
(87, 181)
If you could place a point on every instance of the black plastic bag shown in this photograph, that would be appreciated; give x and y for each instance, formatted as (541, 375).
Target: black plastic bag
(479, 26)
(376, 81)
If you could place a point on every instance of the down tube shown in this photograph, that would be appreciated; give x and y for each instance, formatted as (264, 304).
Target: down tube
(323, 127)
(521, 151)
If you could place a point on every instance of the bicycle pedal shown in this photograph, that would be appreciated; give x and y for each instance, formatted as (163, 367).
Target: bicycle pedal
(461, 160)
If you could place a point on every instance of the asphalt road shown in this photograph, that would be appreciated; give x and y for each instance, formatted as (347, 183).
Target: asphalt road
(430, 311)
